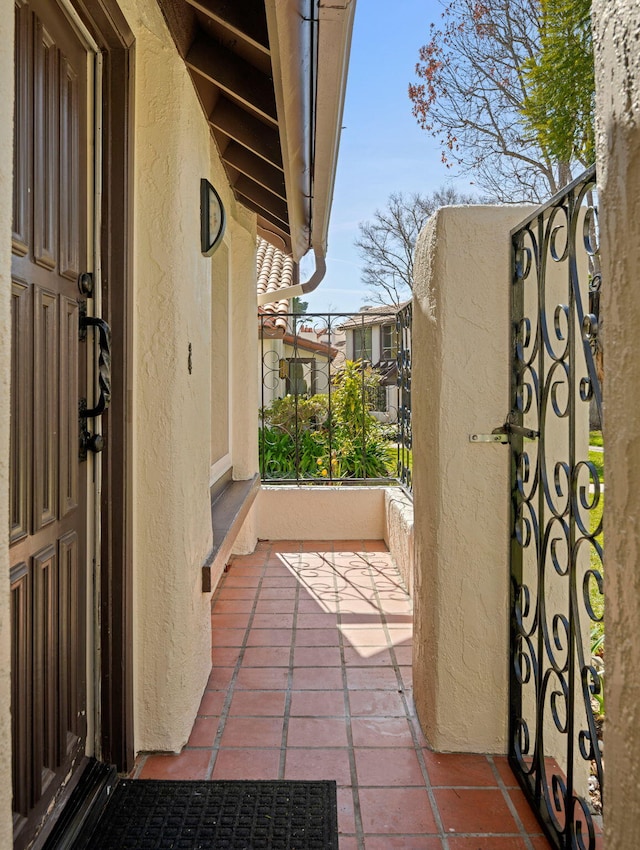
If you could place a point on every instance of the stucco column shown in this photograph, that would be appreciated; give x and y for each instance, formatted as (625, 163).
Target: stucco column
(171, 389)
(617, 37)
(460, 386)
(6, 177)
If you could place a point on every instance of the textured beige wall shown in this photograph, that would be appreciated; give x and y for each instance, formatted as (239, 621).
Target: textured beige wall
(617, 37)
(220, 350)
(319, 513)
(6, 194)
(244, 324)
(398, 533)
(171, 408)
(460, 353)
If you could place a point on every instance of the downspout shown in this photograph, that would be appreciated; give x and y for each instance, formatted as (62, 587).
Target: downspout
(319, 251)
(331, 26)
(298, 289)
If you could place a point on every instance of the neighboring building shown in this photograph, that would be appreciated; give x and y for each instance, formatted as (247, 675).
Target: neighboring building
(372, 337)
(121, 108)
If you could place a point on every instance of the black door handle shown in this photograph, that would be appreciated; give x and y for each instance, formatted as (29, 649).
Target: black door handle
(104, 363)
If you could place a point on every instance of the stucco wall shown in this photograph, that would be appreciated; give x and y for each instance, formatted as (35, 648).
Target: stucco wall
(398, 533)
(319, 513)
(244, 329)
(220, 354)
(617, 38)
(171, 406)
(460, 355)
(6, 163)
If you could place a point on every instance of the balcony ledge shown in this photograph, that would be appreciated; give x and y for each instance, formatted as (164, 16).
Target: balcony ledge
(229, 508)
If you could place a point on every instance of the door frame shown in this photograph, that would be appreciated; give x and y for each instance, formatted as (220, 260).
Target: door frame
(114, 741)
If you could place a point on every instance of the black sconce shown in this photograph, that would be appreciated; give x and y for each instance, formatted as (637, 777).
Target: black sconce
(212, 218)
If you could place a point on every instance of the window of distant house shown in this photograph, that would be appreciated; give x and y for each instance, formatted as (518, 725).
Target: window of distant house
(362, 343)
(389, 342)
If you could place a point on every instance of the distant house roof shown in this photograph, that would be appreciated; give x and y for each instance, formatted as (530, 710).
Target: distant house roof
(378, 314)
(300, 343)
(275, 271)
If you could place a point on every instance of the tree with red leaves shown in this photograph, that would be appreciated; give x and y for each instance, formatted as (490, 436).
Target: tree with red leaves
(473, 93)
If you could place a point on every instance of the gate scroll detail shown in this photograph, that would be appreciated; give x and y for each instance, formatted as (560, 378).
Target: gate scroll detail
(556, 512)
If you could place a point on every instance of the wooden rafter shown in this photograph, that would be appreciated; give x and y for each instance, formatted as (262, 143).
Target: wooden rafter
(264, 200)
(244, 19)
(248, 131)
(234, 76)
(255, 168)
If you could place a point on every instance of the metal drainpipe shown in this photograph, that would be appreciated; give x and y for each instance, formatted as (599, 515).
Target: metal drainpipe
(313, 19)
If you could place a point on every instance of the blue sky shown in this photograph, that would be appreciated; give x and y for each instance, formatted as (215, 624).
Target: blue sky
(382, 149)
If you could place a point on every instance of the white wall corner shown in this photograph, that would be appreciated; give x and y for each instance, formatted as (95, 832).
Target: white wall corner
(398, 533)
(247, 538)
(460, 368)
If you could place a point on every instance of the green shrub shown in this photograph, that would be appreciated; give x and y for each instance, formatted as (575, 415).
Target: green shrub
(309, 413)
(348, 442)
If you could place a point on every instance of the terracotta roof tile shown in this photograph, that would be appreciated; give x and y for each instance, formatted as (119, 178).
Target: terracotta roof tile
(275, 270)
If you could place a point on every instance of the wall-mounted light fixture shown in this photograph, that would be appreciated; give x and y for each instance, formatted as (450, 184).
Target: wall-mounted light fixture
(212, 218)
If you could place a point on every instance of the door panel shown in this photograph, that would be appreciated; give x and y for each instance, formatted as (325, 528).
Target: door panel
(45, 184)
(69, 157)
(20, 412)
(22, 137)
(68, 395)
(49, 573)
(20, 690)
(45, 406)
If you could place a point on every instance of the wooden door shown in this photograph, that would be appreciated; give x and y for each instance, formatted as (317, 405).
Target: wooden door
(48, 483)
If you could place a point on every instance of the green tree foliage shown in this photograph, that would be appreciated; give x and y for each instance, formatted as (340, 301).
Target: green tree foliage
(298, 306)
(559, 107)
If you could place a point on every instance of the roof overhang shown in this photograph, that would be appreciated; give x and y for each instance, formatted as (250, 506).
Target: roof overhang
(271, 78)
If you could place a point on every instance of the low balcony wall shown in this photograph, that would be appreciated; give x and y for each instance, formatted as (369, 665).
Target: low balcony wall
(398, 532)
(339, 513)
(320, 513)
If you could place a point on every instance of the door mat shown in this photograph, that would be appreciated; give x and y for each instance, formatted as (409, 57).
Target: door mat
(149, 814)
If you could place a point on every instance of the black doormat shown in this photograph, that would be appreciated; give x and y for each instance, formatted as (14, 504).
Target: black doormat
(148, 814)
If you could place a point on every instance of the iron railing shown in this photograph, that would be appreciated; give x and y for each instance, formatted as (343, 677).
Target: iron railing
(405, 433)
(335, 398)
(557, 598)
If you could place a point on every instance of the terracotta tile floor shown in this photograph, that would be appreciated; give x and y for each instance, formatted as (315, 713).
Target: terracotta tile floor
(311, 679)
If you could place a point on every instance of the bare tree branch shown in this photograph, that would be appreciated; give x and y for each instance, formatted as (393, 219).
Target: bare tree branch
(387, 243)
(471, 92)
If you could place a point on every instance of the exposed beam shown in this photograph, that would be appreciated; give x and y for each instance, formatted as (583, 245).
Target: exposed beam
(257, 169)
(269, 225)
(268, 229)
(243, 18)
(181, 22)
(266, 201)
(243, 128)
(233, 75)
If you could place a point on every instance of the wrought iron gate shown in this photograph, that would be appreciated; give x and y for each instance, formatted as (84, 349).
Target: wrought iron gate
(556, 507)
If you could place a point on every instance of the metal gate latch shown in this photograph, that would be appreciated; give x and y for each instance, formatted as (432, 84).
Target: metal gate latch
(503, 432)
